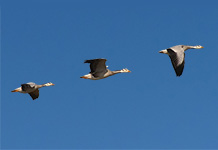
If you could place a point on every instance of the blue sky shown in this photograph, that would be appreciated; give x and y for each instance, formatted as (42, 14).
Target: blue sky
(149, 108)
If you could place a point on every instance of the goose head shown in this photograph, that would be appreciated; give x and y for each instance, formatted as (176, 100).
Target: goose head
(198, 47)
(125, 70)
(48, 84)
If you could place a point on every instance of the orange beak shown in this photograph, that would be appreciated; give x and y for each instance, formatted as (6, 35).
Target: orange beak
(129, 71)
(15, 90)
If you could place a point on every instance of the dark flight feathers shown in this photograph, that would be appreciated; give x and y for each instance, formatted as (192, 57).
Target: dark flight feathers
(25, 87)
(34, 94)
(97, 66)
(177, 65)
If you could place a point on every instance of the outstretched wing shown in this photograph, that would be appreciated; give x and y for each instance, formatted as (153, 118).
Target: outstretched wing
(97, 67)
(27, 86)
(34, 94)
(178, 60)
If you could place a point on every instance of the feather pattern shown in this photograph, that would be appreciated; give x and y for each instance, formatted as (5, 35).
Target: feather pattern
(34, 94)
(178, 61)
(97, 67)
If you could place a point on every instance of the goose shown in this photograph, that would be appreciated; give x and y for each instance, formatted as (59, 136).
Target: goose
(99, 70)
(177, 56)
(31, 88)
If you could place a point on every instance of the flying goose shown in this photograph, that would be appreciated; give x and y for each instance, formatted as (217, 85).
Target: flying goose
(99, 70)
(177, 56)
(31, 88)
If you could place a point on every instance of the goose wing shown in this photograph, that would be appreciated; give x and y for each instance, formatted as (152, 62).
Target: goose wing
(34, 94)
(28, 86)
(97, 67)
(178, 60)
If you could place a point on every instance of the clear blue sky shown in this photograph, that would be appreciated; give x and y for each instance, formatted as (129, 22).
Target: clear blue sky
(149, 108)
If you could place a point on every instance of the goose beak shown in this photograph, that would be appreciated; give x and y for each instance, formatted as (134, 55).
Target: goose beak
(201, 47)
(15, 90)
(129, 71)
(53, 84)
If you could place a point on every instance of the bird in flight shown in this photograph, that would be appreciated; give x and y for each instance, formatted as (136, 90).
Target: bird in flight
(177, 56)
(99, 70)
(31, 88)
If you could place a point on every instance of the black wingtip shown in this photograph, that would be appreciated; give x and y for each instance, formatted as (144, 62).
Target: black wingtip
(178, 75)
(88, 61)
(179, 70)
(94, 60)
